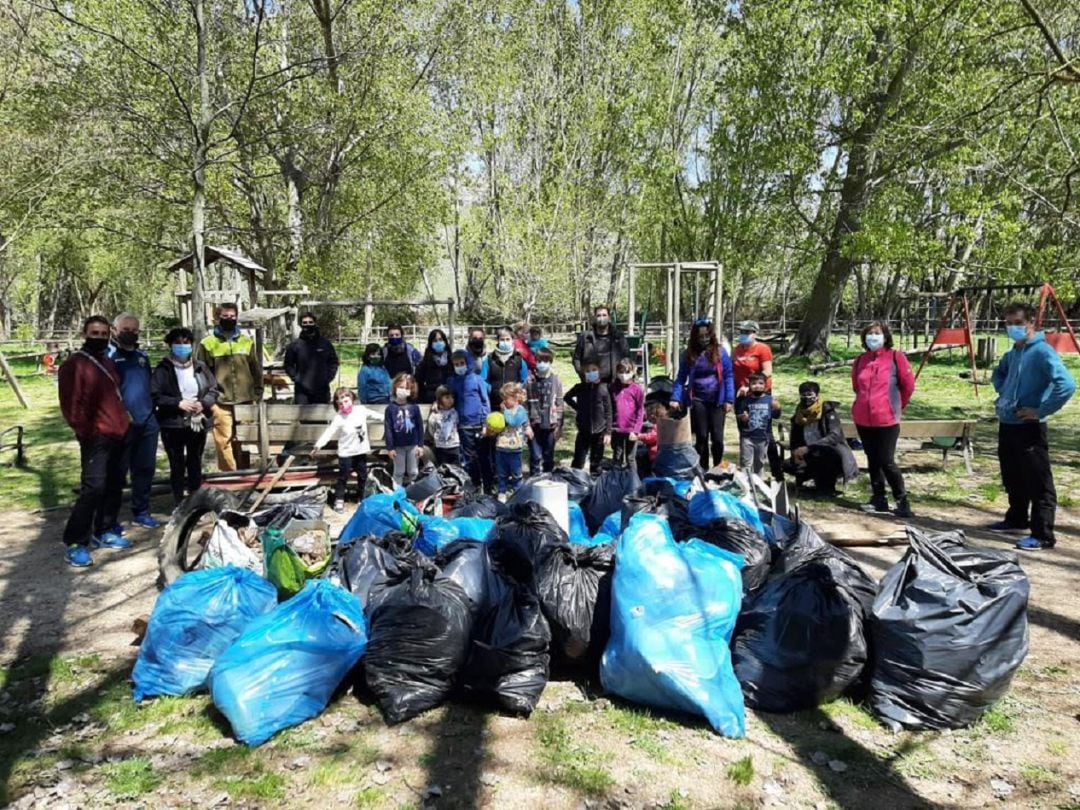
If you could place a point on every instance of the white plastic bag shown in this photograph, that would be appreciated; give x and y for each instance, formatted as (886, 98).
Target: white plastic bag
(226, 548)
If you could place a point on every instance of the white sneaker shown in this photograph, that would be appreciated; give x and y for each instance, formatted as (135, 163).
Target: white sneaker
(339, 506)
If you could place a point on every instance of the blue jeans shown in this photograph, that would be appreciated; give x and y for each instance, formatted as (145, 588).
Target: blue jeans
(508, 469)
(142, 443)
(542, 450)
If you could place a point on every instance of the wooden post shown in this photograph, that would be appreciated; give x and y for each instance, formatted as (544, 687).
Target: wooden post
(677, 321)
(631, 304)
(718, 296)
(14, 382)
(670, 330)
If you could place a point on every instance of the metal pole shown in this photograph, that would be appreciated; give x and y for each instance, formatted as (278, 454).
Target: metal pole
(677, 321)
(450, 318)
(718, 293)
(631, 303)
(670, 329)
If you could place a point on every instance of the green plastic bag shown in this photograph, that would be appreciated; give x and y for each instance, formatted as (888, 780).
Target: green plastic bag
(284, 568)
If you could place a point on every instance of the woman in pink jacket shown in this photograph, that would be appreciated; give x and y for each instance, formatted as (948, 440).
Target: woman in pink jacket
(883, 385)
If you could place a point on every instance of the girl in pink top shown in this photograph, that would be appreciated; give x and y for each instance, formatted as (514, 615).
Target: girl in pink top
(883, 385)
(629, 399)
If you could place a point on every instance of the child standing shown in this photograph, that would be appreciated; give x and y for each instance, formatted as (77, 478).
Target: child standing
(591, 402)
(648, 438)
(373, 381)
(443, 427)
(404, 429)
(511, 440)
(629, 399)
(349, 428)
(755, 412)
(545, 392)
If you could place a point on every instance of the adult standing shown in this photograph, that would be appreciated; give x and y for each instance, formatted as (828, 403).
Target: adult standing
(232, 359)
(705, 385)
(399, 356)
(883, 384)
(1032, 384)
(311, 363)
(435, 368)
(503, 364)
(133, 364)
(477, 346)
(751, 357)
(93, 404)
(521, 343)
(603, 345)
(184, 392)
(819, 452)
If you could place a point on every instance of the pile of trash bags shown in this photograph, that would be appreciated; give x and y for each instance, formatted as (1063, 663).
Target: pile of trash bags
(675, 593)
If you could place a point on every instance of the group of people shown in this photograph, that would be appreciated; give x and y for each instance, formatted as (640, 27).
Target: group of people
(490, 406)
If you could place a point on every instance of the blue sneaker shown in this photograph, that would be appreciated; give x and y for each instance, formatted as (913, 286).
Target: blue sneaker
(1032, 544)
(78, 556)
(1004, 526)
(116, 529)
(110, 540)
(147, 520)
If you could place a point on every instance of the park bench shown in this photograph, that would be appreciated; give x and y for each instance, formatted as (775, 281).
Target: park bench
(16, 444)
(264, 430)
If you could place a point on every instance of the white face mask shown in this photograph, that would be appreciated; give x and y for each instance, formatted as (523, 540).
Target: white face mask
(625, 378)
(402, 393)
(874, 341)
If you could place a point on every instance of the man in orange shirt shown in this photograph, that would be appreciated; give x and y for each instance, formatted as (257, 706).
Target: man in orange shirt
(750, 357)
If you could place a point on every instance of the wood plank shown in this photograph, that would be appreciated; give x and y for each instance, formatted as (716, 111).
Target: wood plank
(921, 428)
(299, 433)
(281, 412)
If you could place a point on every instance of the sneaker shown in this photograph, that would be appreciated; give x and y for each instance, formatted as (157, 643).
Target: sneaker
(116, 528)
(147, 520)
(339, 506)
(78, 556)
(1032, 544)
(110, 540)
(879, 503)
(903, 508)
(1004, 526)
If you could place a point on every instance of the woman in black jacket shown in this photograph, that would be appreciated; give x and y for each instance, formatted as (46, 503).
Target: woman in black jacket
(435, 369)
(183, 390)
(819, 451)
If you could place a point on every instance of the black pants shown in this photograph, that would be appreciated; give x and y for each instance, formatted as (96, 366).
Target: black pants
(470, 452)
(347, 465)
(542, 450)
(1024, 457)
(102, 486)
(303, 397)
(622, 449)
(185, 451)
(707, 423)
(485, 451)
(879, 443)
(591, 446)
(448, 455)
(822, 465)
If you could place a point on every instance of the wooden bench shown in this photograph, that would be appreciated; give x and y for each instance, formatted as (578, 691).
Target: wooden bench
(15, 444)
(265, 429)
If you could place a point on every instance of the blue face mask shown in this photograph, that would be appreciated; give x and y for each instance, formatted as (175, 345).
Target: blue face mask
(1016, 331)
(746, 340)
(874, 342)
(439, 346)
(592, 376)
(461, 371)
(396, 341)
(543, 368)
(181, 351)
(506, 346)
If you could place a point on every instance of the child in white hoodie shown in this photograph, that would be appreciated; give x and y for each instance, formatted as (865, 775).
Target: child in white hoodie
(349, 427)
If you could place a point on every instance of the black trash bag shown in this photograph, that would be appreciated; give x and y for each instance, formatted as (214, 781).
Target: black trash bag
(303, 506)
(508, 659)
(949, 630)
(484, 506)
(613, 484)
(427, 484)
(367, 566)
(574, 586)
(455, 480)
(523, 539)
(801, 639)
(632, 504)
(670, 504)
(578, 484)
(740, 537)
(418, 638)
(679, 461)
(468, 563)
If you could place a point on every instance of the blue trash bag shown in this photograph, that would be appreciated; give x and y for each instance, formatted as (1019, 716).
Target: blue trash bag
(194, 621)
(285, 666)
(382, 513)
(673, 610)
(579, 531)
(656, 485)
(474, 528)
(612, 525)
(435, 533)
(713, 504)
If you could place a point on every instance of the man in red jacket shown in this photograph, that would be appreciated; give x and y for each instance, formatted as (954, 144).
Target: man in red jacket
(93, 405)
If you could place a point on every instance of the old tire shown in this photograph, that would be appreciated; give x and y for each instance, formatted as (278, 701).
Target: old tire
(172, 552)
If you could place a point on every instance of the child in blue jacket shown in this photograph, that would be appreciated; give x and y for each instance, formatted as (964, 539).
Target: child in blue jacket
(404, 429)
(473, 406)
(373, 382)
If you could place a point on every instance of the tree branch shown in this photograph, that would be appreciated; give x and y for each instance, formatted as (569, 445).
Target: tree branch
(1071, 72)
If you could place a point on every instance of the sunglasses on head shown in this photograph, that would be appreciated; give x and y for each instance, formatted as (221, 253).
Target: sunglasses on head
(703, 322)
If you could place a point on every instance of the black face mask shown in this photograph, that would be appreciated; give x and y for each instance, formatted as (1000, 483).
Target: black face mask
(703, 341)
(808, 400)
(476, 344)
(129, 340)
(309, 331)
(96, 345)
(227, 324)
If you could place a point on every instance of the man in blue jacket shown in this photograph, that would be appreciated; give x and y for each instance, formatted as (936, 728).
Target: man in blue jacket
(142, 437)
(473, 406)
(1032, 383)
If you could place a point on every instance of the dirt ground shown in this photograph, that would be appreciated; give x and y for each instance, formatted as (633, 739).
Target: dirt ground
(71, 736)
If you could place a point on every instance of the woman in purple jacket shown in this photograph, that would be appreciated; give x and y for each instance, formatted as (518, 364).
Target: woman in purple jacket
(705, 385)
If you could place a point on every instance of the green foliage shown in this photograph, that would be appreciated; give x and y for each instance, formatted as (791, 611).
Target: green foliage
(741, 771)
(131, 778)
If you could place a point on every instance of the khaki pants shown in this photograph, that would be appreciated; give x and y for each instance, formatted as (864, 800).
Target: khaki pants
(223, 437)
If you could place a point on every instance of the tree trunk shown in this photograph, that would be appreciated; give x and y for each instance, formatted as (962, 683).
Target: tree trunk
(199, 156)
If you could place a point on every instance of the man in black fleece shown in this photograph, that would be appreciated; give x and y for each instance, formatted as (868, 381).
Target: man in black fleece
(311, 363)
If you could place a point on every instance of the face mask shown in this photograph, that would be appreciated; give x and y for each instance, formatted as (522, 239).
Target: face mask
(592, 376)
(543, 368)
(1016, 331)
(402, 393)
(461, 371)
(396, 341)
(746, 340)
(129, 340)
(227, 324)
(439, 346)
(807, 400)
(703, 340)
(874, 342)
(506, 346)
(181, 351)
(476, 344)
(374, 360)
(345, 406)
(96, 345)
(309, 331)
(602, 320)
(625, 378)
